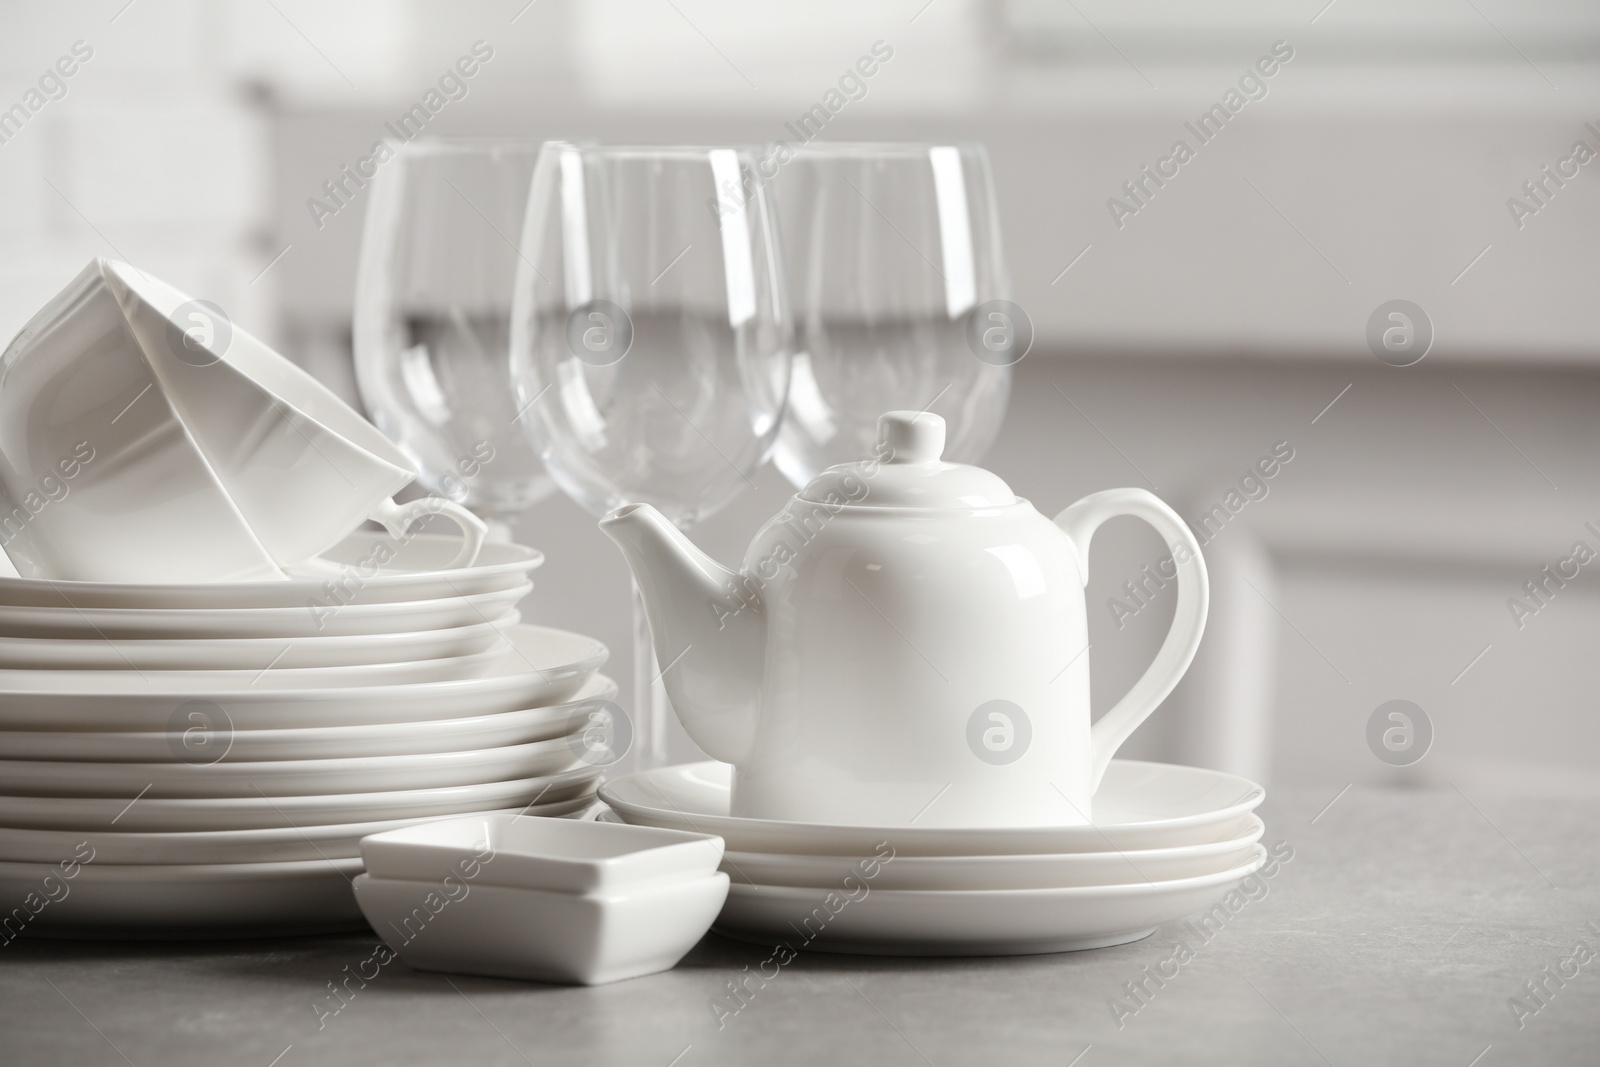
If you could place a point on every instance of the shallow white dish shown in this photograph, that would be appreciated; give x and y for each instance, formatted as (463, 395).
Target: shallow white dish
(1038, 871)
(275, 845)
(350, 620)
(330, 742)
(366, 568)
(270, 675)
(281, 778)
(556, 857)
(967, 923)
(250, 653)
(141, 815)
(584, 939)
(1139, 805)
(543, 666)
(186, 901)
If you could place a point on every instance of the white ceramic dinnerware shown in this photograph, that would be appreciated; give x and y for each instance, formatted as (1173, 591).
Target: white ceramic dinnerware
(98, 480)
(542, 936)
(543, 666)
(280, 778)
(1028, 871)
(271, 845)
(350, 620)
(318, 742)
(258, 812)
(561, 857)
(969, 923)
(364, 568)
(904, 641)
(1140, 805)
(251, 653)
(237, 464)
(268, 674)
(580, 902)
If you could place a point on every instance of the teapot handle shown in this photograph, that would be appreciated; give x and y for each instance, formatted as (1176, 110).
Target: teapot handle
(1188, 621)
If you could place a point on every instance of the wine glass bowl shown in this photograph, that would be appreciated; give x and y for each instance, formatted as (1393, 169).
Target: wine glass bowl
(895, 271)
(433, 310)
(650, 341)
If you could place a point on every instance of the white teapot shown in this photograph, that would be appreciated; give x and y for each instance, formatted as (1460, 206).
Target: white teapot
(905, 642)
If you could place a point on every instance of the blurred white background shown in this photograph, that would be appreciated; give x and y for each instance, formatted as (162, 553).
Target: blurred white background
(1176, 345)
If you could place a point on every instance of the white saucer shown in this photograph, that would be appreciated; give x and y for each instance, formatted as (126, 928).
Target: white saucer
(350, 620)
(1139, 805)
(144, 815)
(329, 742)
(1038, 871)
(543, 666)
(365, 568)
(980, 923)
(249, 653)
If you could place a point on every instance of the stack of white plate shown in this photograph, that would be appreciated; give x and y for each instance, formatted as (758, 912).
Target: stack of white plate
(204, 759)
(1166, 841)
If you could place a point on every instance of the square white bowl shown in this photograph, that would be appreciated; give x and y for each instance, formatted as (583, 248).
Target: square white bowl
(533, 853)
(537, 935)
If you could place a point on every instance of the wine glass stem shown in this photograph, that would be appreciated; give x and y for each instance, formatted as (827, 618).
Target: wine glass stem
(650, 704)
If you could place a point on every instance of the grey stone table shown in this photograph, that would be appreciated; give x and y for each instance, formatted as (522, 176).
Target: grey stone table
(1408, 928)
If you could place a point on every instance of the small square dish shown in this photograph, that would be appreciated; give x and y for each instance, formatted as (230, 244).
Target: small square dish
(536, 935)
(529, 852)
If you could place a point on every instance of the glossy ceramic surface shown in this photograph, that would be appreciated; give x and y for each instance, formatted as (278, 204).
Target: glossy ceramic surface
(279, 778)
(251, 653)
(364, 568)
(558, 857)
(905, 642)
(350, 620)
(583, 939)
(1038, 871)
(1140, 805)
(330, 742)
(99, 481)
(251, 813)
(972, 923)
(274, 845)
(543, 666)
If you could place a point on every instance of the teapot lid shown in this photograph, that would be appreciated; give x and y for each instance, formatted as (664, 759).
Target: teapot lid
(905, 471)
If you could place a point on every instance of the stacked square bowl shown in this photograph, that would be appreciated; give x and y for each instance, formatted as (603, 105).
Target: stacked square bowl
(204, 759)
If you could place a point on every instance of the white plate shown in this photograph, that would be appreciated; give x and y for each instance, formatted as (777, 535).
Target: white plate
(144, 815)
(331, 742)
(170, 902)
(1139, 805)
(365, 568)
(1038, 871)
(543, 666)
(249, 653)
(273, 675)
(352, 620)
(274, 845)
(285, 778)
(972, 923)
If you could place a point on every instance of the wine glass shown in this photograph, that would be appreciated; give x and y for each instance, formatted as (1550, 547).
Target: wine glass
(898, 289)
(650, 341)
(432, 318)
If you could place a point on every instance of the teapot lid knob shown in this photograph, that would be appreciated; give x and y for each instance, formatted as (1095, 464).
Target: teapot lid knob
(910, 436)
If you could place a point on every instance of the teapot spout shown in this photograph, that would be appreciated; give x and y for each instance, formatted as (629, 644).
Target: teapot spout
(707, 626)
